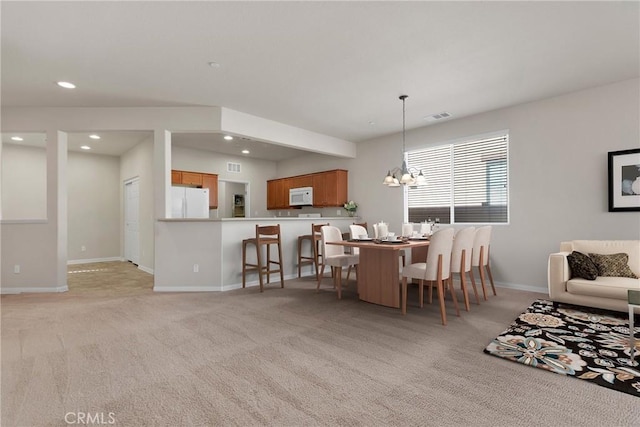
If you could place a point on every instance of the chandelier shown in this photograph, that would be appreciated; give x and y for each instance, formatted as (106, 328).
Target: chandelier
(404, 175)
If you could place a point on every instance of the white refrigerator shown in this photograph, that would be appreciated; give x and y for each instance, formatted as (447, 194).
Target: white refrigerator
(188, 202)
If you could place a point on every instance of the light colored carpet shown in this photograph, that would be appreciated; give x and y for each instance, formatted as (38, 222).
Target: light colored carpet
(287, 357)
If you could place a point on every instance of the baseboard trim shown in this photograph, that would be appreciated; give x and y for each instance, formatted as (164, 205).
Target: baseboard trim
(253, 283)
(222, 288)
(505, 285)
(146, 269)
(185, 289)
(92, 260)
(14, 291)
(520, 287)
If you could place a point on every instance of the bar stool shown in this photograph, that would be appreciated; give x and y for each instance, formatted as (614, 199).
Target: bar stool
(316, 233)
(266, 235)
(302, 259)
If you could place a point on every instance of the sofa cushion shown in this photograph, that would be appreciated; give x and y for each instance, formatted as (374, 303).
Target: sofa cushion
(582, 266)
(603, 287)
(613, 265)
(629, 247)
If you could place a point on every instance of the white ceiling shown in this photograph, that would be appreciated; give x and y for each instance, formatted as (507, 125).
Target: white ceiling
(118, 143)
(110, 143)
(329, 67)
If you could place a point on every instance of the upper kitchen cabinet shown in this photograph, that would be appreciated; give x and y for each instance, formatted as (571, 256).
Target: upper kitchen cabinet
(186, 178)
(330, 188)
(278, 194)
(176, 177)
(192, 178)
(198, 179)
(210, 181)
(301, 181)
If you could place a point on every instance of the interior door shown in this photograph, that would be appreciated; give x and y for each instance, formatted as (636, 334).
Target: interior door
(132, 221)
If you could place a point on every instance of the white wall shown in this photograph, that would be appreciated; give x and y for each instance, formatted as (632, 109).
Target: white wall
(558, 174)
(24, 182)
(255, 172)
(138, 163)
(93, 206)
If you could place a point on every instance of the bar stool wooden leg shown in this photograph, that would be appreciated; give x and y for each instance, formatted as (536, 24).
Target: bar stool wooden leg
(268, 264)
(260, 267)
(299, 258)
(244, 263)
(280, 265)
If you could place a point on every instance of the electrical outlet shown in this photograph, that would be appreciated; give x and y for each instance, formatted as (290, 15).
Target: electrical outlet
(83, 248)
(196, 268)
(339, 212)
(16, 269)
(288, 213)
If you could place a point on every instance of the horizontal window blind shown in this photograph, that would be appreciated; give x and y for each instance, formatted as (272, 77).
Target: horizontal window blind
(466, 182)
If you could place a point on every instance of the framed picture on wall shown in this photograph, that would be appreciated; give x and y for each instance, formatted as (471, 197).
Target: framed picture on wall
(624, 180)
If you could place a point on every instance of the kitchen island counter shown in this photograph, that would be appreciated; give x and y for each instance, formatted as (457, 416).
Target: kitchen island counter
(261, 219)
(202, 254)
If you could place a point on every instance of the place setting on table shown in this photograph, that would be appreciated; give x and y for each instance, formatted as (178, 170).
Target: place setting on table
(382, 235)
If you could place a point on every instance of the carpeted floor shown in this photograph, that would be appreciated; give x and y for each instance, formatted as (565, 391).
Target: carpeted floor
(287, 357)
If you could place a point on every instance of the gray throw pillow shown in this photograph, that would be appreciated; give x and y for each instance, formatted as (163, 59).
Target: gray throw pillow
(614, 265)
(582, 266)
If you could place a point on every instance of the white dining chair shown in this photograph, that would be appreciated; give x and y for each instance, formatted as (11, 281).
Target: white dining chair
(461, 260)
(436, 271)
(335, 257)
(356, 231)
(480, 258)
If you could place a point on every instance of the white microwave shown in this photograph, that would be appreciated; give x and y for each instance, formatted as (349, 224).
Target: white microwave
(302, 196)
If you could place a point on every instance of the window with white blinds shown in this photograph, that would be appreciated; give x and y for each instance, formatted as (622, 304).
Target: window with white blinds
(466, 182)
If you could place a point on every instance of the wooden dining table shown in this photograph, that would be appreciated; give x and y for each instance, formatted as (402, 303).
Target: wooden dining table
(379, 268)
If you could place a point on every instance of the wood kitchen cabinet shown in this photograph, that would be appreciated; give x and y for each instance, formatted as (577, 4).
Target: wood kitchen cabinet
(278, 194)
(176, 177)
(329, 189)
(200, 180)
(192, 178)
(301, 181)
(186, 178)
(210, 181)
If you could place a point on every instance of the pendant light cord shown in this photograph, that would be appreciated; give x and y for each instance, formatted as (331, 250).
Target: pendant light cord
(403, 97)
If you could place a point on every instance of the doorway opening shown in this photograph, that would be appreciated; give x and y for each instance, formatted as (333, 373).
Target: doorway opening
(233, 199)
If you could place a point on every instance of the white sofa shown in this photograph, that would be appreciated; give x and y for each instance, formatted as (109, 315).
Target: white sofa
(604, 292)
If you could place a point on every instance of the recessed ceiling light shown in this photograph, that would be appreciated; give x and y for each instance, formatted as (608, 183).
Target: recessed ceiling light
(16, 138)
(372, 123)
(66, 85)
(94, 136)
(245, 151)
(228, 137)
(214, 64)
(85, 147)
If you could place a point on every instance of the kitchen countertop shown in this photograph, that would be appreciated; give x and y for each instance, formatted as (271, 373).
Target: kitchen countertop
(266, 218)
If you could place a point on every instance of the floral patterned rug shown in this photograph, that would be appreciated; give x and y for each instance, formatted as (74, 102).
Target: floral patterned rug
(587, 343)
